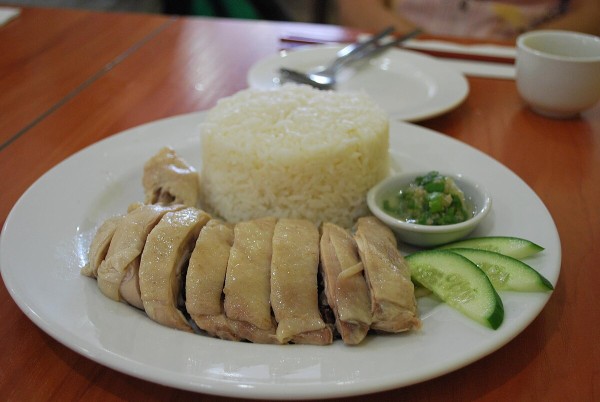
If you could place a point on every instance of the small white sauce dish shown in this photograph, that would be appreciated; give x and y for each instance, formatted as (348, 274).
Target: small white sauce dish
(430, 235)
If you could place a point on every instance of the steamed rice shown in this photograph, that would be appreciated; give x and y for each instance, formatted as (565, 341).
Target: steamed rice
(293, 152)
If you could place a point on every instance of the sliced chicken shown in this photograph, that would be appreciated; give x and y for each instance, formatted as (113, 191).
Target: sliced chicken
(167, 251)
(130, 286)
(206, 277)
(393, 303)
(294, 293)
(125, 249)
(247, 282)
(168, 179)
(345, 286)
(222, 327)
(99, 246)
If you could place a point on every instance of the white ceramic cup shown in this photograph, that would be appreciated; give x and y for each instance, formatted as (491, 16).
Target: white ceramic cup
(558, 72)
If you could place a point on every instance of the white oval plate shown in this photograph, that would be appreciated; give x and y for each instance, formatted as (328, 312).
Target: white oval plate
(46, 236)
(410, 86)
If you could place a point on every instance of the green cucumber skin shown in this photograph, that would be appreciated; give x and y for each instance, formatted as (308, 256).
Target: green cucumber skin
(514, 247)
(505, 272)
(435, 269)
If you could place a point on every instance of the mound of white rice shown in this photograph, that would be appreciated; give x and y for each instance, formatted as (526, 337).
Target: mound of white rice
(293, 152)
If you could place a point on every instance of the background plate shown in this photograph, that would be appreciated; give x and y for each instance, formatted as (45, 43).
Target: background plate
(410, 86)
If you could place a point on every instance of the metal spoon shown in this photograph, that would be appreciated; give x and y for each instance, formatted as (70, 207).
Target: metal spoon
(325, 78)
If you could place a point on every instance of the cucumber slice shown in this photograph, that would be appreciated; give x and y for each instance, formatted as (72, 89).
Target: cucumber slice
(511, 246)
(506, 273)
(459, 283)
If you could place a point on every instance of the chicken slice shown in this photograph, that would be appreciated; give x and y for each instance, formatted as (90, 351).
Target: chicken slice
(205, 280)
(393, 303)
(247, 281)
(126, 247)
(345, 286)
(167, 251)
(130, 286)
(99, 246)
(220, 326)
(168, 179)
(165, 255)
(294, 293)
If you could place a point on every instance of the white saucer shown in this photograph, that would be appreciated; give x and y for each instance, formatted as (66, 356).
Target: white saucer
(410, 86)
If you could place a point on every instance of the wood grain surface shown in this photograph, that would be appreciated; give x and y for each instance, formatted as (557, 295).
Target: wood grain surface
(71, 78)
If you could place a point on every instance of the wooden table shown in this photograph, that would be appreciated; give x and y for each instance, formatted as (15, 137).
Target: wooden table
(71, 78)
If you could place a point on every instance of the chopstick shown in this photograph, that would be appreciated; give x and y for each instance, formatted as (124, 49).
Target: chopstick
(436, 53)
